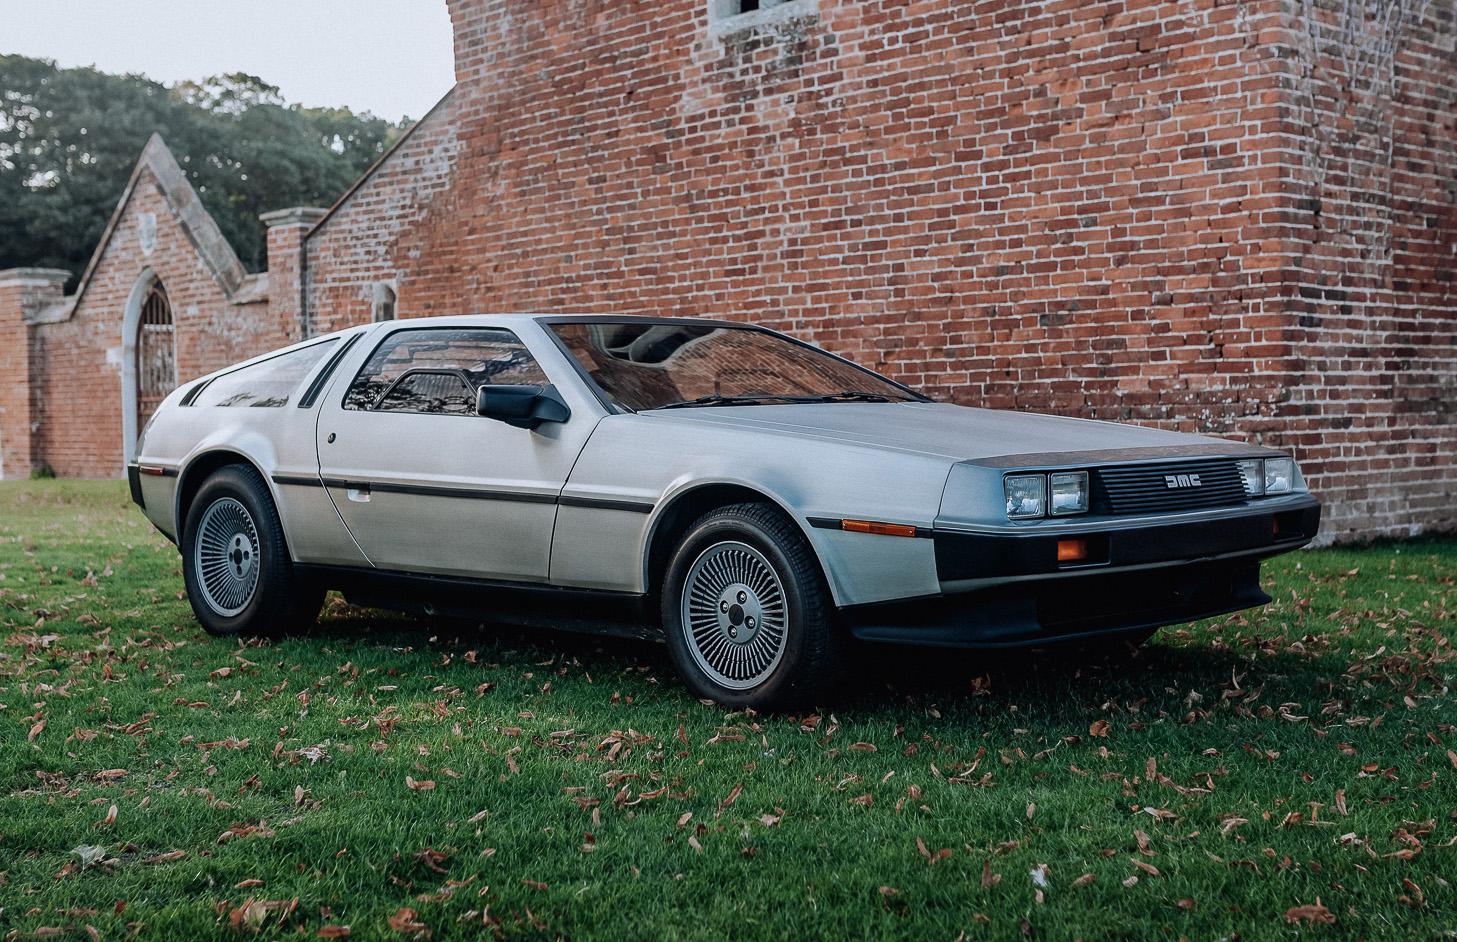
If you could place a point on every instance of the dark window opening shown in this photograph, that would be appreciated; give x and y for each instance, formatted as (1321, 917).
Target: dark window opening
(438, 370)
(156, 354)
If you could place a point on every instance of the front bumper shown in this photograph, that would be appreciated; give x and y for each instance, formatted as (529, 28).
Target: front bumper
(1007, 589)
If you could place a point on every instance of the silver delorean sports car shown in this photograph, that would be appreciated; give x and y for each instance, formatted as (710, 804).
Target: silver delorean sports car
(750, 497)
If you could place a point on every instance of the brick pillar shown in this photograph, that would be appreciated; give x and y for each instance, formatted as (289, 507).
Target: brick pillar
(25, 293)
(287, 264)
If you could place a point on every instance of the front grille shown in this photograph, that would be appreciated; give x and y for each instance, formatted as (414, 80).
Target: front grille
(1144, 488)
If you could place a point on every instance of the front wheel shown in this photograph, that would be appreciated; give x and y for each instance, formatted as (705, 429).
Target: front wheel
(747, 614)
(235, 563)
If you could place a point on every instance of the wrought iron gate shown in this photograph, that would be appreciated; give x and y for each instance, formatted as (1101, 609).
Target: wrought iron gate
(156, 355)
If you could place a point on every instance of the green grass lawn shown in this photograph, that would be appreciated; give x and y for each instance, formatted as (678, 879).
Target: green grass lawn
(412, 778)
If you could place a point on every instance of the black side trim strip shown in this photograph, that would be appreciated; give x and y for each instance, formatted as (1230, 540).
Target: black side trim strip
(286, 479)
(468, 493)
(317, 386)
(465, 493)
(602, 503)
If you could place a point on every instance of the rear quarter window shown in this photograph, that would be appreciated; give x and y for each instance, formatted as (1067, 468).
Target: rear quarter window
(268, 385)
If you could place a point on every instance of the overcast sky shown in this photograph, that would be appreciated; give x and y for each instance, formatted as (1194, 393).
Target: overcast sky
(391, 57)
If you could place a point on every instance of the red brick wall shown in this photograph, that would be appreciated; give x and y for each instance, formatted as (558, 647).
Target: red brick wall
(396, 224)
(1090, 209)
(1227, 216)
(23, 294)
(81, 399)
(1369, 220)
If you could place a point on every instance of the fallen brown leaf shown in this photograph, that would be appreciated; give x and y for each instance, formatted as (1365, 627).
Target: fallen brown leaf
(424, 786)
(164, 858)
(864, 800)
(1231, 823)
(1149, 869)
(1315, 914)
(334, 932)
(1098, 728)
(405, 921)
(1084, 880)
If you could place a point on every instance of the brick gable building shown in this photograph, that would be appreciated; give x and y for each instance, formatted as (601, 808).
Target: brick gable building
(1233, 217)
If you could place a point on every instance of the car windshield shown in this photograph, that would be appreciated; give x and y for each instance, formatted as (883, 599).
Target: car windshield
(645, 365)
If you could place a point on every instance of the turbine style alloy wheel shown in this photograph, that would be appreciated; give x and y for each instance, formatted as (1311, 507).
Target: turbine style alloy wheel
(240, 578)
(226, 556)
(746, 612)
(735, 612)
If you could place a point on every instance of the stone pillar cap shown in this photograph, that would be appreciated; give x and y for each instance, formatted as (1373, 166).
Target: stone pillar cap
(294, 216)
(34, 277)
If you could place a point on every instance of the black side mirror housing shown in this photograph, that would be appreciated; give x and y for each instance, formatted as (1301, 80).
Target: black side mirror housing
(522, 406)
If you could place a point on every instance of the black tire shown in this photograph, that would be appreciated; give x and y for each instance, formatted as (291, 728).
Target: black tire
(763, 634)
(236, 566)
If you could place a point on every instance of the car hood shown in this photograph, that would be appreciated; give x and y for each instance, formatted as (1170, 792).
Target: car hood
(940, 430)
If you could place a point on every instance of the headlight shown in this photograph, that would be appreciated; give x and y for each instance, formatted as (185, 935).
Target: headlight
(1262, 476)
(1279, 475)
(1069, 492)
(1026, 495)
(1252, 473)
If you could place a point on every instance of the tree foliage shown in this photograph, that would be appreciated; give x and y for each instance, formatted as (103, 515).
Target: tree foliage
(69, 139)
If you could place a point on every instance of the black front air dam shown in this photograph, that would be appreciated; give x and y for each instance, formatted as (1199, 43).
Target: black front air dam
(1266, 530)
(1046, 611)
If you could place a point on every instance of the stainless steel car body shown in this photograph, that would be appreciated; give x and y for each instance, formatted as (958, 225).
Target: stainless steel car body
(585, 504)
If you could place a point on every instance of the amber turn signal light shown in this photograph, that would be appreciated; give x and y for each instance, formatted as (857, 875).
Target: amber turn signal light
(1072, 551)
(884, 529)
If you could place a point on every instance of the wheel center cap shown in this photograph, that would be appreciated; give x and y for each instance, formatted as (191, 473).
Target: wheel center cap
(241, 555)
(739, 613)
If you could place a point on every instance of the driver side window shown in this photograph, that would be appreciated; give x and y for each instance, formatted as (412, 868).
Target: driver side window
(437, 370)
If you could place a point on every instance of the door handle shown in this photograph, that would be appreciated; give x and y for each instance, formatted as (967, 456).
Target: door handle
(359, 494)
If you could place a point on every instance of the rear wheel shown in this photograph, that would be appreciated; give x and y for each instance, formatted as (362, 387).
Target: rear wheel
(235, 563)
(747, 612)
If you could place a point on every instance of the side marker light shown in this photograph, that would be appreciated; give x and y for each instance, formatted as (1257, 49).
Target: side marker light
(884, 529)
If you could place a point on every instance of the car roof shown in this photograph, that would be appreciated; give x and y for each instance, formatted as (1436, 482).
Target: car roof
(570, 318)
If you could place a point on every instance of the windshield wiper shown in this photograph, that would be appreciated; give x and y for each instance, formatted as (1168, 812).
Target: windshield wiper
(858, 395)
(848, 395)
(720, 400)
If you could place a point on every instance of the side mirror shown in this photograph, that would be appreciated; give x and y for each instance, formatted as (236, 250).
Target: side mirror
(522, 406)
